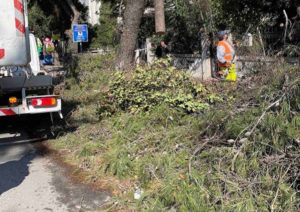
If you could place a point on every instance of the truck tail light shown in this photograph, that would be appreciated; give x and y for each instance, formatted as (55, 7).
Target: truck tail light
(44, 102)
(13, 100)
(2, 53)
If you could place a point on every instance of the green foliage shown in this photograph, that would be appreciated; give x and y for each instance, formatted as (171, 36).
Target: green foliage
(189, 21)
(104, 35)
(147, 87)
(185, 20)
(53, 16)
(239, 123)
(87, 79)
(239, 15)
(39, 22)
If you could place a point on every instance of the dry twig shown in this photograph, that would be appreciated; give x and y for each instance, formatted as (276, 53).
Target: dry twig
(197, 150)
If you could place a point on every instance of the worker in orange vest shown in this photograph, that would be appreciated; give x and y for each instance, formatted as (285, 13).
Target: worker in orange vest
(225, 57)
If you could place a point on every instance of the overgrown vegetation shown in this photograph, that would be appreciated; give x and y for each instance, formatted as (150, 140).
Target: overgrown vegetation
(241, 154)
(84, 87)
(148, 87)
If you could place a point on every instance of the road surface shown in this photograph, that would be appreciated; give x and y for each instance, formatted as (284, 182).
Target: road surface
(31, 181)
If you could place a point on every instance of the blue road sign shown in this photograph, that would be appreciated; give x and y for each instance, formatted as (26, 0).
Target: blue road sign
(80, 33)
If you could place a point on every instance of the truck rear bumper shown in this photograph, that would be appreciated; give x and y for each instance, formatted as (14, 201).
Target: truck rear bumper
(29, 109)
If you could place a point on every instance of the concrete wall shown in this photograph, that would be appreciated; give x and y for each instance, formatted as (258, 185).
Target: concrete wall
(204, 70)
(244, 66)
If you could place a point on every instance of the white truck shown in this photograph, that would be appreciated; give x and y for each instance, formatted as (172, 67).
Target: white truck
(24, 88)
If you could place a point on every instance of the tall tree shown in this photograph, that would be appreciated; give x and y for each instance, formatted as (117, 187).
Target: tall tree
(61, 15)
(75, 17)
(132, 19)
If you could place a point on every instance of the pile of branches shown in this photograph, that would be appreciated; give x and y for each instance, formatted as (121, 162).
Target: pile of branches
(262, 168)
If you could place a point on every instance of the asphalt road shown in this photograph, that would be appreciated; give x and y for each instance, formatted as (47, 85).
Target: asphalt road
(31, 181)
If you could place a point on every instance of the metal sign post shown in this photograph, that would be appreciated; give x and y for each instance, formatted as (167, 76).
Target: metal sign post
(80, 47)
(80, 34)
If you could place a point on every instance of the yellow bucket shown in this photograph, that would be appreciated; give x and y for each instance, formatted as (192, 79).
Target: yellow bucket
(231, 76)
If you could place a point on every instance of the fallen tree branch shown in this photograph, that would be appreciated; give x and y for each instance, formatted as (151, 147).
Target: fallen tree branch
(197, 150)
(261, 42)
(286, 87)
(273, 207)
(286, 26)
(253, 128)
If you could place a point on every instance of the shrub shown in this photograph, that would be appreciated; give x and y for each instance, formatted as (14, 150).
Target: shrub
(147, 87)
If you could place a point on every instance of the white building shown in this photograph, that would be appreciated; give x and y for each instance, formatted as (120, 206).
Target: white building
(93, 10)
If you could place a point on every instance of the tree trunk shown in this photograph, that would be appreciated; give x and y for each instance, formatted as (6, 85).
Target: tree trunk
(160, 25)
(75, 19)
(132, 19)
(298, 9)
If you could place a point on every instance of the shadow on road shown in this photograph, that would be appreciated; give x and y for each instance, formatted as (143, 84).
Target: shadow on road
(15, 157)
(13, 173)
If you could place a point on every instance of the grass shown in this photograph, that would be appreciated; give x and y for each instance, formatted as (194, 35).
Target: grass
(183, 161)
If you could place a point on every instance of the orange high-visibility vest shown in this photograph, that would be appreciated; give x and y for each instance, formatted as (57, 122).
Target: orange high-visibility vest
(228, 52)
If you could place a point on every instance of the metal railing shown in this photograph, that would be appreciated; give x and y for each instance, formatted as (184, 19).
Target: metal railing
(184, 61)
